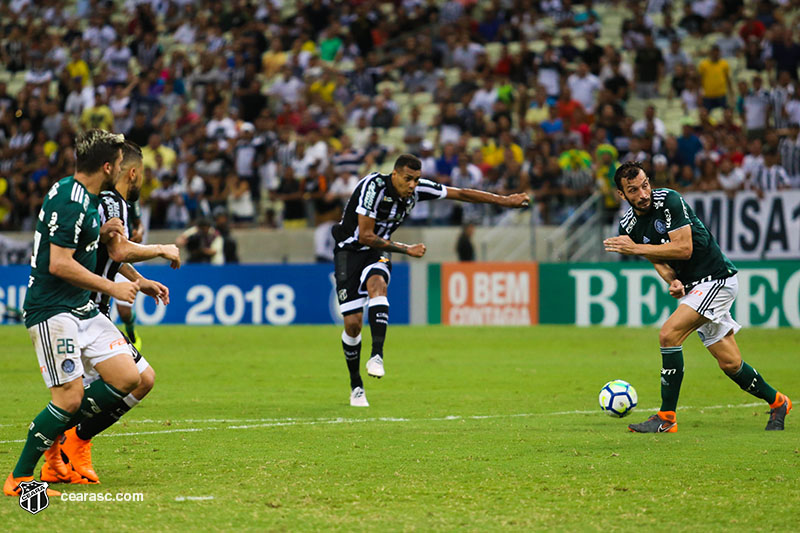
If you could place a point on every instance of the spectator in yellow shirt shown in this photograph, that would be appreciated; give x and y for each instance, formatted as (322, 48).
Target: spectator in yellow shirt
(100, 116)
(324, 87)
(154, 146)
(274, 58)
(715, 78)
(78, 67)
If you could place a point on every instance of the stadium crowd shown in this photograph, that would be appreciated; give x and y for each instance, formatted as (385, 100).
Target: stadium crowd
(271, 110)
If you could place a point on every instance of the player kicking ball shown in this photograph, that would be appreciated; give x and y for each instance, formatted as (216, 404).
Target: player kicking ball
(660, 227)
(378, 206)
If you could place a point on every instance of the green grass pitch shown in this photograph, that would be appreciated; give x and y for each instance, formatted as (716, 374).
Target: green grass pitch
(472, 429)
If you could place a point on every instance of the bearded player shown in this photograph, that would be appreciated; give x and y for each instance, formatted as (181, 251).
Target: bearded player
(113, 258)
(660, 227)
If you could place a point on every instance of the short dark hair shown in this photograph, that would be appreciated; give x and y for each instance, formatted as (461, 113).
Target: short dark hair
(409, 161)
(627, 171)
(131, 153)
(95, 148)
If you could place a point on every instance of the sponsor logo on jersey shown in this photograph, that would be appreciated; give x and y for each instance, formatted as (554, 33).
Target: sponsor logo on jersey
(119, 342)
(645, 239)
(660, 225)
(668, 216)
(342, 295)
(369, 196)
(668, 371)
(630, 225)
(658, 205)
(92, 246)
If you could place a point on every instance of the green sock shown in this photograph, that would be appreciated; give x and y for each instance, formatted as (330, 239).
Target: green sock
(751, 381)
(671, 376)
(99, 396)
(43, 431)
(129, 327)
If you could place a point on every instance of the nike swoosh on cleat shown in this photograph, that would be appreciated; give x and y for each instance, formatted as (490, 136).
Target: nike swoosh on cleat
(665, 427)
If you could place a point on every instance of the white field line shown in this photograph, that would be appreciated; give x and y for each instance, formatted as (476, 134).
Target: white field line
(254, 423)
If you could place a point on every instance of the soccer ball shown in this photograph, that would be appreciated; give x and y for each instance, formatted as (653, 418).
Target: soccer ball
(618, 398)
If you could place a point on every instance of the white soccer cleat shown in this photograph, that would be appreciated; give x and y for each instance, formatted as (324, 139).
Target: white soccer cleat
(358, 398)
(375, 367)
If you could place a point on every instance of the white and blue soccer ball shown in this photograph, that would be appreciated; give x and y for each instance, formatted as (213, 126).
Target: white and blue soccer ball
(618, 398)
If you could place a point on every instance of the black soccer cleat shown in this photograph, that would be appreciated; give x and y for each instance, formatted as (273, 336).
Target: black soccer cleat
(654, 424)
(778, 414)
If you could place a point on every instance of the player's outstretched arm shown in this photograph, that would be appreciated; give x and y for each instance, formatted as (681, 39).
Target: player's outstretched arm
(152, 288)
(482, 197)
(63, 265)
(122, 250)
(367, 236)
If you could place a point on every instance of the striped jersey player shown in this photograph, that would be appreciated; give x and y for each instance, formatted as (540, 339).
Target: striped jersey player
(378, 206)
(660, 227)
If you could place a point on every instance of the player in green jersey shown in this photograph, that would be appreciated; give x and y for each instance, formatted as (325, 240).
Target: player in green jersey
(67, 331)
(660, 227)
(113, 260)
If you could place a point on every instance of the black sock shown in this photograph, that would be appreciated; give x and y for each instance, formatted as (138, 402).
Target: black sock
(378, 322)
(352, 355)
(90, 427)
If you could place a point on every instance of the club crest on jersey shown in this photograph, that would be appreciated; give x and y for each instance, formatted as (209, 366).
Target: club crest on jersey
(660, 225)
(68, 366)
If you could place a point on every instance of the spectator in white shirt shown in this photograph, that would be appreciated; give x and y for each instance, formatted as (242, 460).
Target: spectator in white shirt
(640, 127)
(288, 89)
(755, 110)
(485, 97)
(584, 86)
(731, 177)
(117, 58)
(221, 127)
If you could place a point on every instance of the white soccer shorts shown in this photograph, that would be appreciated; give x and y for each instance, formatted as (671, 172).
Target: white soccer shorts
(66, 346)
(713, 299)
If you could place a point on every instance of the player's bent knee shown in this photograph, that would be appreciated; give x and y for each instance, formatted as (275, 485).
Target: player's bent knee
(668, 337)
(125, 383)
(68, 396)
(376, 286)
(730, 366)
(146, 383)
(353, 329)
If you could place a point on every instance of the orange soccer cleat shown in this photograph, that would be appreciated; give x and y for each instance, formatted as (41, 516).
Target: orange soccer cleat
(53, 459)
(12, 488)
(79, 454)
(51, 476)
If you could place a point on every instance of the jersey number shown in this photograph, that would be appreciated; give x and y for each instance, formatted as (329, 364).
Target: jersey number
(37, 238)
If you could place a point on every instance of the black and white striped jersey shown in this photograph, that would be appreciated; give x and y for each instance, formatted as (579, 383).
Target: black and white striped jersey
(770, 178)
(790, 159)
(112, 205)
(376, 197)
